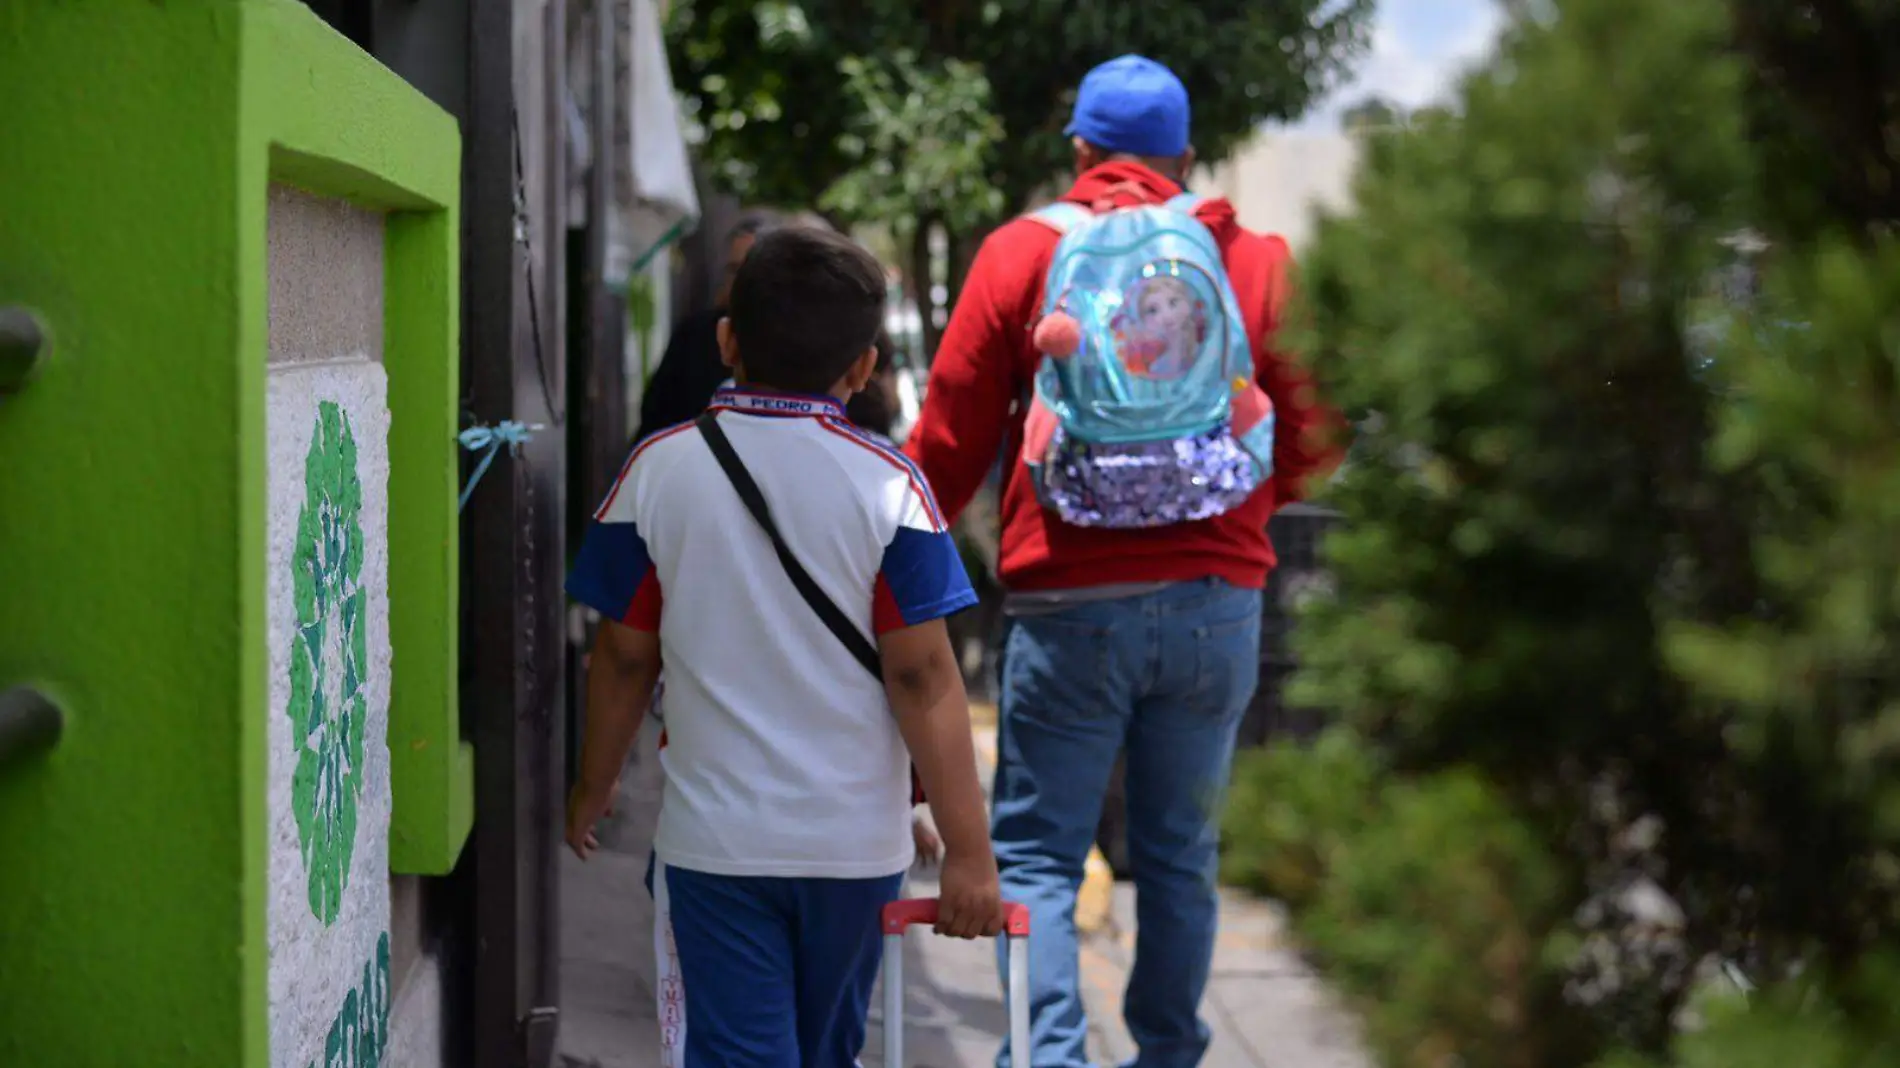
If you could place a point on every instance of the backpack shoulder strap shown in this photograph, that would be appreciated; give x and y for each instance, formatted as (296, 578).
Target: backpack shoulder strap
(1061, 216)
(1185, 203)
(1189, 203)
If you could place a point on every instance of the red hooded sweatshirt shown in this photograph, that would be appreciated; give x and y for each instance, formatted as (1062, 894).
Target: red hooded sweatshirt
(985, 365)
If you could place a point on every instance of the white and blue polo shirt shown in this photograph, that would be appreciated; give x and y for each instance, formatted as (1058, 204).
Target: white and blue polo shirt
(783, 756)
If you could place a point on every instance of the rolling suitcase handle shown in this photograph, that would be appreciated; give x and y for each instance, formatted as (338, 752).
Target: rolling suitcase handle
(899, 917)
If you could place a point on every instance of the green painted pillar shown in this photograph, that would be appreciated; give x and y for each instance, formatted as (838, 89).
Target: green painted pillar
(209, 650)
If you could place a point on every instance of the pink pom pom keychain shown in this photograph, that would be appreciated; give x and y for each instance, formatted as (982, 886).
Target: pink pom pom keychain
(1058, 335)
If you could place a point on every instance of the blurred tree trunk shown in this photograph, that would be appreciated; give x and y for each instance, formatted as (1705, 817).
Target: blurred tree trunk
(918, 281)
(960, 252)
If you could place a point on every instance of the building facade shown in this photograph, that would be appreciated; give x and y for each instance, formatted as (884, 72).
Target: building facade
(1278, 179)
(283, 663)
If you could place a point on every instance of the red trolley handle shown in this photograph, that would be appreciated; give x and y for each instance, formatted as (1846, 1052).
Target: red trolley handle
(900, 916)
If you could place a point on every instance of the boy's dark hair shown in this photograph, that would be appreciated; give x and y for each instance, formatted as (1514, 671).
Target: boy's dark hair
(886, 349)
(870, 408)
(754, 222)
(805, 305)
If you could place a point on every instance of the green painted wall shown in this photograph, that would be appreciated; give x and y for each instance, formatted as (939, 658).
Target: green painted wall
(309, 111)
(136, 148)
(130, 921)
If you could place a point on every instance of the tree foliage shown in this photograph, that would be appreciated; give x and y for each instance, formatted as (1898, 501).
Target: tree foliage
(880, 97)
(917, 144)
(1617, 652)
(1372, 113)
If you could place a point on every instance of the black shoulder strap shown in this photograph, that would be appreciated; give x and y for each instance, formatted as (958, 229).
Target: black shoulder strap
(828, 613)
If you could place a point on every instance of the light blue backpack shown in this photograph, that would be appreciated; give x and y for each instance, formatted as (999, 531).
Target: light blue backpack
(1145, 411)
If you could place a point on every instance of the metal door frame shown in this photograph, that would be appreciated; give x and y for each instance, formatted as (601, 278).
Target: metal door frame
(513, 531)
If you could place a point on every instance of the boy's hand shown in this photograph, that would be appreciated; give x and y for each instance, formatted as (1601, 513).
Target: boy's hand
(584, 809)
(929, 846)
(969, 899)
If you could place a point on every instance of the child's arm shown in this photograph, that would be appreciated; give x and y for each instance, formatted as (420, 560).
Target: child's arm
(933, 713)
(620, 676)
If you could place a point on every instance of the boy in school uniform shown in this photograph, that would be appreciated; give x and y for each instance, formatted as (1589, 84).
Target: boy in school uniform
(785, 821)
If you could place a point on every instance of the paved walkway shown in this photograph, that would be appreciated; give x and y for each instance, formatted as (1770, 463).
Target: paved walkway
(1265, 1007)
(607, 959)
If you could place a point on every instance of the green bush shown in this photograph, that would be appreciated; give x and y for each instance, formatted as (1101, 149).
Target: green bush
(1425, 901)
(1289, 810)
(1618, 656)
(1444, 914)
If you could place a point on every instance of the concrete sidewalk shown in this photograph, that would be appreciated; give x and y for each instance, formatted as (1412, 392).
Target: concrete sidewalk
(607, 960)
(1265, 1007)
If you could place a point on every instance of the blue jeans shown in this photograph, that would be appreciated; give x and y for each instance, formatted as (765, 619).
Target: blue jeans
(1167, 676)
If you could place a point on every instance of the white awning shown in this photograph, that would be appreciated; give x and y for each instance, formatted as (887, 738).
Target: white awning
(654, 202)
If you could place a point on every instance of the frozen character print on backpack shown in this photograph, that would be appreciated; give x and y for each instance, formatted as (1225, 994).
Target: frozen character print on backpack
(1169, 323)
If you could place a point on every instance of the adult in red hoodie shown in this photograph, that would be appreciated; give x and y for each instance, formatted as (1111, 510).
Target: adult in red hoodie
(1143, 639)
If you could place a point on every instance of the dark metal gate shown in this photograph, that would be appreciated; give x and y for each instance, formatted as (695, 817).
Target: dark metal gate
(513, 536)
(598, 430)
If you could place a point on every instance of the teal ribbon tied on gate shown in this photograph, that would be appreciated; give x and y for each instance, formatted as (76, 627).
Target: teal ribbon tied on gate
(508, 433)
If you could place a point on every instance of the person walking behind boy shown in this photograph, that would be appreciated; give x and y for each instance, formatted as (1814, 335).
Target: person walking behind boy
(785, 819)
(1121, 636)
(690, 371)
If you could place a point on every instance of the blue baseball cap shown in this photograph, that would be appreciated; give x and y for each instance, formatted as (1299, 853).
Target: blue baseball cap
(1134, 105)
